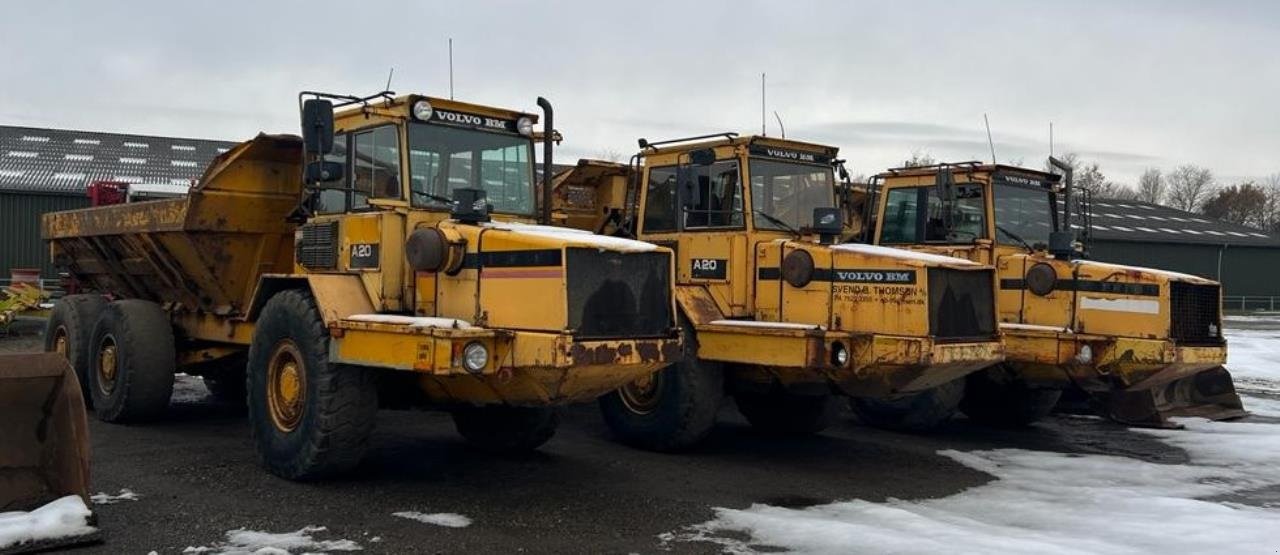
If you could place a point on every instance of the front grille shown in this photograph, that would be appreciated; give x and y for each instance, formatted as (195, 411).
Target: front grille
(961, 306)
(618, 294)
(1194, 315)
(317, 248)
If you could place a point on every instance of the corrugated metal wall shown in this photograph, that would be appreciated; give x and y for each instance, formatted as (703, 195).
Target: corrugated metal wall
(20, 243)
(1245, 270)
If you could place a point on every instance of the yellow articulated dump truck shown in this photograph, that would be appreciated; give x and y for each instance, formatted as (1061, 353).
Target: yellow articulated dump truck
(775, 314)
(1146, 344)
(389, 256)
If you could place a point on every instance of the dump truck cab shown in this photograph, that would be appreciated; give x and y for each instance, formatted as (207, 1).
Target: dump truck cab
(1147, 343)
(389, 256)
(785, 314)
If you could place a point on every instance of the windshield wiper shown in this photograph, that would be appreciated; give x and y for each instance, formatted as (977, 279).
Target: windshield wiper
(1015, 237)
(437, 198)
(778, 222)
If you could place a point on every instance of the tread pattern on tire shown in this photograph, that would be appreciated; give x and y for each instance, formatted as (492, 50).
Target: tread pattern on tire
(78, 314)
(994, 402)
(505, 429)
(145, 361)
(783, 413)
(342, 400)
(916, 413)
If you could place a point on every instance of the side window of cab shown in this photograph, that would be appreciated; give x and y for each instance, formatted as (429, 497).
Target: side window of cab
(333, 195)
(375, 165)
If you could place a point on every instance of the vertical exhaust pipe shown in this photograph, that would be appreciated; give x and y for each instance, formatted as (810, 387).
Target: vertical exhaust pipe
(1062, 240)
(548, 131)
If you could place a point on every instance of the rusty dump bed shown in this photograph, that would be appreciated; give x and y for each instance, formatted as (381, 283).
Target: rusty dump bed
(204, 251)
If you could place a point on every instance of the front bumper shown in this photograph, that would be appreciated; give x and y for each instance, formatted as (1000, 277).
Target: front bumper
(877, 366)
(524, 368)
(1049, 358)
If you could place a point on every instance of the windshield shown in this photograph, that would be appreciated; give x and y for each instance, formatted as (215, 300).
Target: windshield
(789, 192)
(904, 221)
(443, 158)
(1023, 212)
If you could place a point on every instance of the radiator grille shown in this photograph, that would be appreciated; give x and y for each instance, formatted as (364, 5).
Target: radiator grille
(1194, 314)
(317, 248)
(961, 306)
(616, 294)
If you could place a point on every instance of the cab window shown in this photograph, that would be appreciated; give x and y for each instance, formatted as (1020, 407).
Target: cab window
(376, 165)
(917, 214)
(333, 195)
(717, 196)
(900, 216)
(660, 200)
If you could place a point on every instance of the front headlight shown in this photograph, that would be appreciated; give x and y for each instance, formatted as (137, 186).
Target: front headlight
(474, 357)
(839, 354)
(422, 110)
(525, 126)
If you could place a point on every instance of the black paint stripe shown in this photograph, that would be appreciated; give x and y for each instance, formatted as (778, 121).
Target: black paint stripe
(772, 274)
(511, 259)
(1093, 286)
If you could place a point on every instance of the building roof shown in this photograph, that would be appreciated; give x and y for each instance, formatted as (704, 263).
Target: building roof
(1128, 220)
(65, 161)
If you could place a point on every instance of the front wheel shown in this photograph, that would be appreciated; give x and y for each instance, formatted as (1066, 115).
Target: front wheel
(991, 399)
(669, 410)
(504, 429)
(311, 418)
(917, 412)
(783, 413)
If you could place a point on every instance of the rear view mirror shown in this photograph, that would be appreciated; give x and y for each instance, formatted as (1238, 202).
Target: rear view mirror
(317, 126)
(945, 184)
(702, 157)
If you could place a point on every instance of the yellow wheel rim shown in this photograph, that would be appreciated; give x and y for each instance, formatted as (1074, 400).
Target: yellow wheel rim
(107, 365)
(286, 386)
(60, 341)
(642, 396)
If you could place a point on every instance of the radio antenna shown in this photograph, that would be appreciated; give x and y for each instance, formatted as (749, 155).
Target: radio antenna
(763, 130)
(450, 68)
(1051, 139)
(390, 74)
(990, 142)
(780, 127)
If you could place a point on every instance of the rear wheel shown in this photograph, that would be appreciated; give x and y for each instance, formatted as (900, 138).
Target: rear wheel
(69, 332)
(310, 418)
(505, 429)
(132, 362)
(671, 409)
(784, 413)
(918, 412)
(992, 399)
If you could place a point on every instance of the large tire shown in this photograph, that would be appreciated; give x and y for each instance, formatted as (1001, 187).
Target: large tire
(70, 331)
(991, 400)
(310, 418)
(504, 429)
(782, 413)
(133, 362)
(672, 409)
(918, 412)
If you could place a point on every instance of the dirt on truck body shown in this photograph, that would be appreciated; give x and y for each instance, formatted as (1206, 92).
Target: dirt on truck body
(389, 256)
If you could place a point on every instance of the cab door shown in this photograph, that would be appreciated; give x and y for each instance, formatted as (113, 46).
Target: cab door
(698, 210)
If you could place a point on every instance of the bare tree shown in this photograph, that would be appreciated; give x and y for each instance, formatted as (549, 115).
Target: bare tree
(1189, 186)
(1151, 186)
(919, 157)
(1271, 209)
(1089, 177)
(1243, 204)
(609, 155)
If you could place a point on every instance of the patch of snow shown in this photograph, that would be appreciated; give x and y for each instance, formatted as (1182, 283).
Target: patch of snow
(125, 494)
(1254, 355)
(1032, 327)
(66, 517)
(904, 254)
(253, 542)
(451, 520)
(411, 321)
(759, 324)
(1158, 272)
(574, 236)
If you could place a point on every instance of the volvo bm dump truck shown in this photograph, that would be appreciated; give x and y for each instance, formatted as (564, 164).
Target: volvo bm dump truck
(1145, 343)
(775, 314)
(386, 256)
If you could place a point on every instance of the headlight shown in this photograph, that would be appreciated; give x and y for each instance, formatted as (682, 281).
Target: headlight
(422, 110)
(839, 354)
(524, 126)
(474, 357)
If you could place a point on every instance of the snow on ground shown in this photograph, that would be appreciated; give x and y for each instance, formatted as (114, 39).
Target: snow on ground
(451, 520)
(1042, 502)
(253, 542)
(66, 517)
(125, 494)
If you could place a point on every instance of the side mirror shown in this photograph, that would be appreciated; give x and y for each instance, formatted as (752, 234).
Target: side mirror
(317, 126)
(702, 157)
(828, 223)
(323, 172)
(945, 184)
(1062, 244)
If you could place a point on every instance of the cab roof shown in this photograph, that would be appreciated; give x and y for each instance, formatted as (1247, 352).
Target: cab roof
(969, 167)
(402, 106)
(732, 139)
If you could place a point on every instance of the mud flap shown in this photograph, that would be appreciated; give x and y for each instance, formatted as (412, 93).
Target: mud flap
(43, 431)
(1209, 394)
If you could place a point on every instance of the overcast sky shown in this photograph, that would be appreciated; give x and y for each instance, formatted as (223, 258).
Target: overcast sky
(1127, 84)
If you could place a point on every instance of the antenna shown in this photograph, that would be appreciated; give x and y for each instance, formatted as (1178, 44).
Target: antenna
(1051, 139)
(763, 131)
(450, 68)
(390, 74)
(780, 127)
(990, 143)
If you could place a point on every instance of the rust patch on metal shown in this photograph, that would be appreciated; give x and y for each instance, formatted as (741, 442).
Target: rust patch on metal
(624, 350)
(602, 354)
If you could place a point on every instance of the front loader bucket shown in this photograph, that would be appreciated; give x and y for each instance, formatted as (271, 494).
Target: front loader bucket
(1209, 394)
(44, 434)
